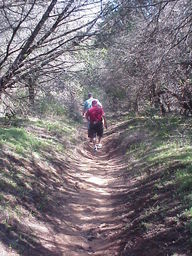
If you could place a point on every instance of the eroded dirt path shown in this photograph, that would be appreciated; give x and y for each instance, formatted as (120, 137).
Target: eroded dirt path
(85, 216)
(102, 208)
(102, 203)
(79, 203)
(93, 208)
(97, 210)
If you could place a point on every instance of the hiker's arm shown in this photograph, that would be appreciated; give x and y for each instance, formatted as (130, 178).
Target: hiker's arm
(84, 109)
(87, 115)
(105, 122)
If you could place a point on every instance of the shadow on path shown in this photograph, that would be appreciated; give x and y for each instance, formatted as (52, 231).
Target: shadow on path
(90, 204)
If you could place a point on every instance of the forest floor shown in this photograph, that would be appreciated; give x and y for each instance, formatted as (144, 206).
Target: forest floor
(94, 203)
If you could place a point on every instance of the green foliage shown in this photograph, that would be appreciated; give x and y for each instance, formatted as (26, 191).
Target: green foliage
(89, 77)
(116, 93)
(164, 145)
(50, 107)
(30, 157)
(184, 181)
(116, 19)
(66, 126)
(22, 142)
(19, 139)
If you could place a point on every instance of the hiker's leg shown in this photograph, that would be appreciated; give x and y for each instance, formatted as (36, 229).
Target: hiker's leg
(92, 134)
(95, 143)
(100, 133)
(99, 145)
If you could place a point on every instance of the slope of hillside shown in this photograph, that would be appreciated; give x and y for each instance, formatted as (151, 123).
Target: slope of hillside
(59, 197)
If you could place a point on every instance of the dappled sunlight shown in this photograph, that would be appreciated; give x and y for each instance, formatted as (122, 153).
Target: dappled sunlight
(97, 181)
(77, 190)
(115, 201)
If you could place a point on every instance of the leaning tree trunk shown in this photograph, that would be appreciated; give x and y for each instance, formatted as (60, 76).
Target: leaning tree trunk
(31, 90)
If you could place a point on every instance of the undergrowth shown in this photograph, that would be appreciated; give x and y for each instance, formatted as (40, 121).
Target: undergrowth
(162, 157)
(33, 158)
(31, 151)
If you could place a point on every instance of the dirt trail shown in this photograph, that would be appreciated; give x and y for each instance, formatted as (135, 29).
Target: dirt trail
(98, 204)
(96, 219)
(101, 208)
(85, 217)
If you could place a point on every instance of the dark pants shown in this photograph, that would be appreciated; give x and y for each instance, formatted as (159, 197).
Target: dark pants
(95, 129)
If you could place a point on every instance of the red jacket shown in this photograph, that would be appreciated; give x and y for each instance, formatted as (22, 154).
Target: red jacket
(95, 114)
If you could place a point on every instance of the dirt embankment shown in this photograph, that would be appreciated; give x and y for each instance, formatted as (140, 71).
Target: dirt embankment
(99, 204)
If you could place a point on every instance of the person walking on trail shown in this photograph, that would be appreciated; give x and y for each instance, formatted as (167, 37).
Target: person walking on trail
(96, 116)
(88, 103)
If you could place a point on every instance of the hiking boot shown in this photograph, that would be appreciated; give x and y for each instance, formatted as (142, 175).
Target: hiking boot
(99, 145)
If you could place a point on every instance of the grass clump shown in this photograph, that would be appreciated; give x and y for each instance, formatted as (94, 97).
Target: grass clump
(159, 151)
(31, 158)
(58, 127)
(20, 140)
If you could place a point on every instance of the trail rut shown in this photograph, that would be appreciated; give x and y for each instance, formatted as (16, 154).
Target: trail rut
(103, 203)
(84, 218)
(95, 203)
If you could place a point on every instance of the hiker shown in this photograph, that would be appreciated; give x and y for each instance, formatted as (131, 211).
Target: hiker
(96, 116)
(87, 106)
(88, 103)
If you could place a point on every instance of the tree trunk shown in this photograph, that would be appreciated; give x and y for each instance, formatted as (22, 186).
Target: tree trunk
(31, 89)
